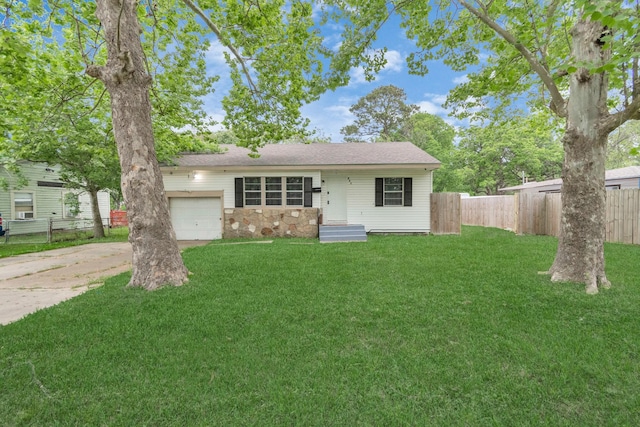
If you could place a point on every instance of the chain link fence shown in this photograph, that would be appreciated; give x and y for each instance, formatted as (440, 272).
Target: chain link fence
(49, 230)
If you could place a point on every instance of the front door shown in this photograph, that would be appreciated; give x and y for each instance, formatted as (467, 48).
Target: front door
(335, 211)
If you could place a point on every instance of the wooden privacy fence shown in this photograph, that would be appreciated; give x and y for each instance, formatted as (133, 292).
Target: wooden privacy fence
(445, 213)
(489, 211)
(623, 216)
(539, 213)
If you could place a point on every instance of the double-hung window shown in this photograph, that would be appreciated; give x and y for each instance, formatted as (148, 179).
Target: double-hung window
(274, 191)
(252, 192)
(394, 191)
(295, 191)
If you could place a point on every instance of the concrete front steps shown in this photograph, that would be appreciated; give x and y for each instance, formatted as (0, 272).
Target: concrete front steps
(342, 233)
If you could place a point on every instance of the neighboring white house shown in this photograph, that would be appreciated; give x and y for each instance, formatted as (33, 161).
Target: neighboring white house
(43, 195)
(615, 179)
(292, 188)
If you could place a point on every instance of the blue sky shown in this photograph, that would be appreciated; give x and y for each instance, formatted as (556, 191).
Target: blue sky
(331, 112)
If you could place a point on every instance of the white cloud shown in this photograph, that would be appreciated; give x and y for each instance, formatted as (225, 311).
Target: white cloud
(347, 100)
(357, 76)
(330, 115)
(336, 46)
(436, 97)
(460, 79)
(339, 110)
(395, 61)
(215, 54)
(394, 64)
(432, 104)
(217, 115)
(431, 108)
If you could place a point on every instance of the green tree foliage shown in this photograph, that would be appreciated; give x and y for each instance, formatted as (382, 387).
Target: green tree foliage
(316, 138)
(568, 55)
(273, 48)
(499, 154)
(379, 115)
(623, 146)
(383, 115)
(61, 116)
(276, 54)
(433, 135)
(223, 137)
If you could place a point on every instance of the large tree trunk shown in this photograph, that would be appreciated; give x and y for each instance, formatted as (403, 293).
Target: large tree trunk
(580, 256)
(98, 228)
(156, 256)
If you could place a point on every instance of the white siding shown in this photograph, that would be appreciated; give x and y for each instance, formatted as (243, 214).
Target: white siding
(360, 185)
(225, 181)
(361, 207)
(48, 201)
(104, 204)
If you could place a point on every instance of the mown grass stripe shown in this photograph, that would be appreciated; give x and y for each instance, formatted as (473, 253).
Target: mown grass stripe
(411, 330)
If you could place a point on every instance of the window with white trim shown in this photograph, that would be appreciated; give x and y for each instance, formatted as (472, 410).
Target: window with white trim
(295, 191)
(394, 191)
(23, 205)
(253, 191)
(274, 191)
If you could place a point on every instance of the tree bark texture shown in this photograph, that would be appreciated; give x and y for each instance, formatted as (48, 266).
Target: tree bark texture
(580, 255)
(156, 256)
(98, 229)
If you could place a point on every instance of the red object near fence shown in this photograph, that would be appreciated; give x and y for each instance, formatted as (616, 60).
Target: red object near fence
(119, 219)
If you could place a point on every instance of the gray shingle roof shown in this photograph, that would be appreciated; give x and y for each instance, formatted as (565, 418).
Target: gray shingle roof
(402, 154)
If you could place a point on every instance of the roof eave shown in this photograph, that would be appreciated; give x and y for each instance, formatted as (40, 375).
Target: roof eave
(386, 166)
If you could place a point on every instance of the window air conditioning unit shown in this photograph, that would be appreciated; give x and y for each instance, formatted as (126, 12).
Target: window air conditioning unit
(25, 215)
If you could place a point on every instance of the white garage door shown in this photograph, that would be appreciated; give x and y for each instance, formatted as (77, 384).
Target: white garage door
(196, 218)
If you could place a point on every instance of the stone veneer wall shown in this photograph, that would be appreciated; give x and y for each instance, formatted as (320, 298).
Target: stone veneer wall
(270, 222)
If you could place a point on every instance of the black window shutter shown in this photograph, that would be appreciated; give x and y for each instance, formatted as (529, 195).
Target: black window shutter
(308, 192)
(408, 193)
(239, 192)
(379, 192)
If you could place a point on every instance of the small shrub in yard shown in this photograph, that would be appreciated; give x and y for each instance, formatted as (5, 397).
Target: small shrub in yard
(412, 330)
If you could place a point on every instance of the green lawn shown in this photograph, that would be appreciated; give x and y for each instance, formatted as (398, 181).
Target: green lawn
(413, 330)
(20, 244)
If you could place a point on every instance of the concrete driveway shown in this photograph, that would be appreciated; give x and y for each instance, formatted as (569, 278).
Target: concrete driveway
(33, 281)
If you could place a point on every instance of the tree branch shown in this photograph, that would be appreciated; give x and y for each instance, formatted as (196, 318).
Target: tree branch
(222, 40)
(635, 79)
(613, 121)
(7, 14)
(96, 105)
(556, 97)
(80, 44)
(96, 71)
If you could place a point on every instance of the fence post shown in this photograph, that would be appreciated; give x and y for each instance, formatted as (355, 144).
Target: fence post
(50, 230)
(516, 215)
